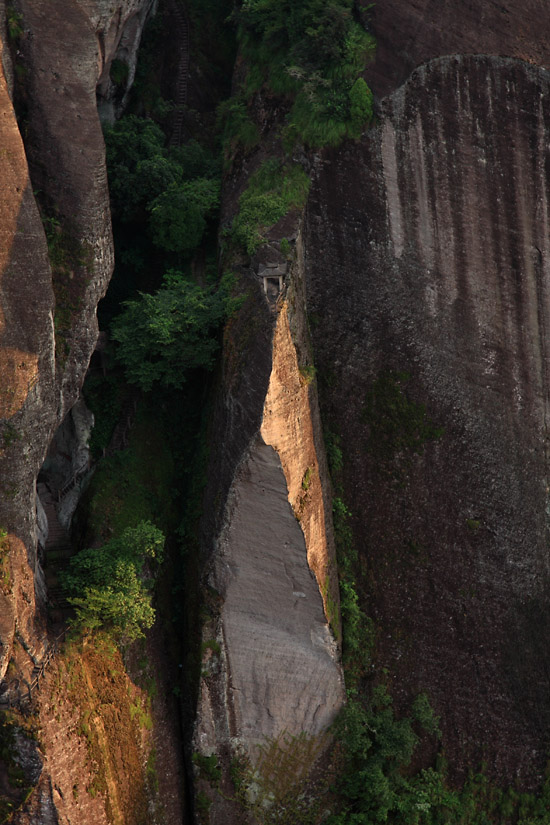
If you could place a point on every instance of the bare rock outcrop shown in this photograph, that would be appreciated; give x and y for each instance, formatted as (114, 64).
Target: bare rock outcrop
(429, 265)
(270, 661)
(282, 669)
(409, 34)
(291, 425)
(27, 408)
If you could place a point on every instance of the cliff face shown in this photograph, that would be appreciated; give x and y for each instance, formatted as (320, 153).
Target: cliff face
(270, 660)
(47, 323)
(427, 254)
(408, 34)
(50, 284)
(427, 264)
(26, 341)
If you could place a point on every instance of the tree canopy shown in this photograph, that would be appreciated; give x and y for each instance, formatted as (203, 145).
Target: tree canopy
(110, 585)
(172, 192)
(163, 336)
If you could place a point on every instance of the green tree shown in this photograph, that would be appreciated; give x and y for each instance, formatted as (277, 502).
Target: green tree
(110, 586)
(178, 214)
(360, 98)
(163, 336)
(131, 141)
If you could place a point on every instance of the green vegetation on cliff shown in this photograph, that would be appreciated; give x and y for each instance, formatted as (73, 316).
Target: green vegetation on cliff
(314, 53)
(110, 586)
(271, 192)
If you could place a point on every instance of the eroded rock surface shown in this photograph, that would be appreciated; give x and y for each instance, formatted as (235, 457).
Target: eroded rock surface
(428, 253)
(63, 162)
(409, 34)
(281, 658)
(291, 426)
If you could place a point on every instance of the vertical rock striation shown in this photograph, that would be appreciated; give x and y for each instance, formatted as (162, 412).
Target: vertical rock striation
(63, 163)
(428, 254)
(409, 34)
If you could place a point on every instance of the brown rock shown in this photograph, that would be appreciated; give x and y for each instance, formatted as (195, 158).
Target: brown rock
(427, 252)
(409, 34)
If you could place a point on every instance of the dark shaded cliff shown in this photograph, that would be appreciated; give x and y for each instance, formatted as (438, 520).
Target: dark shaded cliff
(409, 34)
(427, 254)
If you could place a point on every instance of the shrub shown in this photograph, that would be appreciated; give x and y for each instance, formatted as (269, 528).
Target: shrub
(163, 336)
(108, 586)
(272, 191)
(15, 24)
(208, 767)
(360, 98)
(314, 52)
(236, 126)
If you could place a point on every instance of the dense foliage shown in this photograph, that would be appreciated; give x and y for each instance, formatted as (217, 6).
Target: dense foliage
(162, 336)
(172, 193)
(315, 52)
(110, 586)
(272, 191)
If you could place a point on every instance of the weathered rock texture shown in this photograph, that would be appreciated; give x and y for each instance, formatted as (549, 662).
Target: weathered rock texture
(408, 34)
(291, 425)
(63, 159)
(281, 667)
(48, 324)
(427, 250)
(26, 353)
(270, 663)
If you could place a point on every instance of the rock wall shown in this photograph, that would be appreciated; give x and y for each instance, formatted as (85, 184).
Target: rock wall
(52, 154)
(61, 159)
(270, 660)
(27, 406)
(411, 33)
(427, 253)
(292, 426)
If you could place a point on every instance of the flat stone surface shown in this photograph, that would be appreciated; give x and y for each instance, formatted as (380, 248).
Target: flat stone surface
(283, 673)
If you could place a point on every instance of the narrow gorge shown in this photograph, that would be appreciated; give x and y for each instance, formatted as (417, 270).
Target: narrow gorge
(274, 312)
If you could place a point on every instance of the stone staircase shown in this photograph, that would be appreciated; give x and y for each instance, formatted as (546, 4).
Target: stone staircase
(182, 26)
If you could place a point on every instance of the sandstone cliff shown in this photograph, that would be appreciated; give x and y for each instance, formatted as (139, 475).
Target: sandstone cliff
(48, 323)
(270, 661)
(55, 263)
(427, 286)
(423, 264)
(427, 254)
